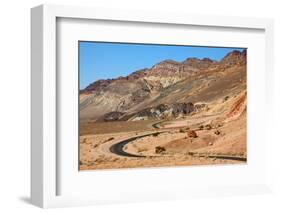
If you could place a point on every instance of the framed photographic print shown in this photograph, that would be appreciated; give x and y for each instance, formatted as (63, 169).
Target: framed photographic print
(189, 108)
(148, 105)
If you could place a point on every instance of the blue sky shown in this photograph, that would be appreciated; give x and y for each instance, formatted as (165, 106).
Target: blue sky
(101, 60)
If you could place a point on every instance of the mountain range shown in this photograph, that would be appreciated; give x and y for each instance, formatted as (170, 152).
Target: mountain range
(169, 89)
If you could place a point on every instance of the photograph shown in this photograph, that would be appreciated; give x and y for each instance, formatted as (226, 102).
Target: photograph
(161, 105)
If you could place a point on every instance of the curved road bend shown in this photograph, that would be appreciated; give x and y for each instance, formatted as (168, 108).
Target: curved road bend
(118, 150)
(118, 147)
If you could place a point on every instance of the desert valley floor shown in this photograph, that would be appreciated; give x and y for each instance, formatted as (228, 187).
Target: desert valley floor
(191, 141)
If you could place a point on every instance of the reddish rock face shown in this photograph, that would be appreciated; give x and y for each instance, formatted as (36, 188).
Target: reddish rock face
(172, 68)
(168, 84)
(234, 58)
(197, 64)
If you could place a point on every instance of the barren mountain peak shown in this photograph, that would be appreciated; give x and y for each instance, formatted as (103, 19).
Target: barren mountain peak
(234, 53)
(165, 62)
(171, 71)
(234, 57)
(207, 60)
(194, 59)
(97, 85)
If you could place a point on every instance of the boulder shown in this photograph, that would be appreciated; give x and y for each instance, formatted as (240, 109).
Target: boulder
(159, 149)
(192, 134)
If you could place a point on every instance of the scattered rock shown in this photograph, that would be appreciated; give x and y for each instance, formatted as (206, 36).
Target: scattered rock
(217, 132)
(210, 144)
(192, 134)
(226, 98)
(190, 153)
(159, 149)
(201, 127)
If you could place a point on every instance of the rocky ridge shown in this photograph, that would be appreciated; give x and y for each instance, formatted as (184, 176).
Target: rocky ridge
(169, 88)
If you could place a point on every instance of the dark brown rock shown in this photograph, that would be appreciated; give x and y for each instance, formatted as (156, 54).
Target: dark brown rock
(159, 149)
(217, 132)
(192, 134)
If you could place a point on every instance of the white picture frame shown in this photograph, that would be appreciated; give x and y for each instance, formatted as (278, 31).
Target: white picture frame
(44, 149)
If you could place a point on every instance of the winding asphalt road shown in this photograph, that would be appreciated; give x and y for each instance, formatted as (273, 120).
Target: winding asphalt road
(118, 150)
(118, 147)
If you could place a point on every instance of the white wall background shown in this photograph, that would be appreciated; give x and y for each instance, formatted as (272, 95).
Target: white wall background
(15, 103)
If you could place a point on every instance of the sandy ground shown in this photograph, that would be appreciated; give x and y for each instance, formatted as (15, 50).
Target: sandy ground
(217, 135)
